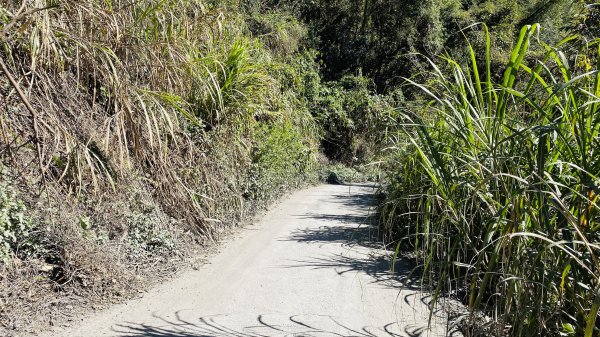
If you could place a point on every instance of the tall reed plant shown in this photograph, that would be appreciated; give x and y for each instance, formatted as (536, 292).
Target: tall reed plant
(495, 186)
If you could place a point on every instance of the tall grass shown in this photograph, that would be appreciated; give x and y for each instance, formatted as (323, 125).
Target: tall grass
(115, 88)
(495, 186)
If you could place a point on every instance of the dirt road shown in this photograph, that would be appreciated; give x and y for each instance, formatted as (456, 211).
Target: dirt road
(306, 269)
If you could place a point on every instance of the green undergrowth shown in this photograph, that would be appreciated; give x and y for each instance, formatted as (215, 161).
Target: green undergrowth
(17, 228)
(342, 174)
(355, 119)
(281, 159)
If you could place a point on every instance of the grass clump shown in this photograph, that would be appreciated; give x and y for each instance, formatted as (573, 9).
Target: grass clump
(495, 187)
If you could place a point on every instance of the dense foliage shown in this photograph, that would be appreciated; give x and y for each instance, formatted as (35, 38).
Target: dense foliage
(348, 111)
(497, 190)
(381, 36)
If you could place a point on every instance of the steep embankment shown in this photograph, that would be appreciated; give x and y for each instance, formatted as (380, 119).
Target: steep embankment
(132, 132)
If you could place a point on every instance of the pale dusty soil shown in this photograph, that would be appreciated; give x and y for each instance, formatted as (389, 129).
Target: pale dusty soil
(307, 268)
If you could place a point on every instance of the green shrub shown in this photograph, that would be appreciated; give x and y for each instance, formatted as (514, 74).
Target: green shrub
(16, 228)
(354, 119)
(281, 158)
(145, 235)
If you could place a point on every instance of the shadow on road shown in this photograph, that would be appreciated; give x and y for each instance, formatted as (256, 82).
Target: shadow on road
(358, 251)
(349, 228)
(264, 325)
(360, 234)
(365, 235)
(362, 199)
(377, 266)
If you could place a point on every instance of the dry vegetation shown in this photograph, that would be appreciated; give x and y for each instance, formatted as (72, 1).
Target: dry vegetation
(131, 132)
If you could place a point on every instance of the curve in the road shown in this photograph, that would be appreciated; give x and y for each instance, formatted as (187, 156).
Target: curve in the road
(308, 268)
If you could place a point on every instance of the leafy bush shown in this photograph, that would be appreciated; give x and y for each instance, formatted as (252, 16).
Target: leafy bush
(145, 235)
(341, 174)
(16, 228)
(349, 112)
(282, 157)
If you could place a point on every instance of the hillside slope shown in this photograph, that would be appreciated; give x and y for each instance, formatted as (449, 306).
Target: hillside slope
(134, 132)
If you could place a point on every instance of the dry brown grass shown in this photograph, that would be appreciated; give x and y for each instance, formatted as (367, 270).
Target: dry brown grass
(127, 127)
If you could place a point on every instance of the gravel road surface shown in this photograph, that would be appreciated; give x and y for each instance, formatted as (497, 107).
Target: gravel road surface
(307, 268)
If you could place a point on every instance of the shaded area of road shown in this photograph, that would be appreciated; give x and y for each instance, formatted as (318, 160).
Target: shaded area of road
(266, 325)
(310, 267)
